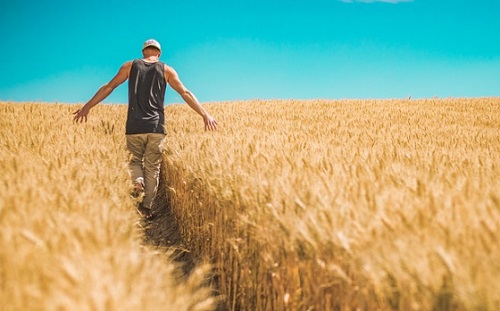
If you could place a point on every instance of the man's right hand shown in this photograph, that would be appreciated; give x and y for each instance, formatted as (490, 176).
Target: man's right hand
(81, 114)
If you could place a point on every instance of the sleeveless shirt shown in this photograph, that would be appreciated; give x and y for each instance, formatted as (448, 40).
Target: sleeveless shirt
(146, 94)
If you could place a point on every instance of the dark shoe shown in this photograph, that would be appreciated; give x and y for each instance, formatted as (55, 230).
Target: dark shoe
(137, 189)
(147, 213)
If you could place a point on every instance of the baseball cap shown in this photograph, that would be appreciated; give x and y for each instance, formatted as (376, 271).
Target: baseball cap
(151, 42)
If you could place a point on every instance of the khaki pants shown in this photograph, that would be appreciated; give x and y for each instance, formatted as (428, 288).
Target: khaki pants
(146, 155)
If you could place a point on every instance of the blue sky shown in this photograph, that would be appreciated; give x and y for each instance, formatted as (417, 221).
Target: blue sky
(235, 50)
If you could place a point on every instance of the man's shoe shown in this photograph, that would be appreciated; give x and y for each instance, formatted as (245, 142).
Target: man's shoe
(147, 213)
(137, 189)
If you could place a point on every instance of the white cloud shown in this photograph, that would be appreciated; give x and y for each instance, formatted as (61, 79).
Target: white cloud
(371, 1)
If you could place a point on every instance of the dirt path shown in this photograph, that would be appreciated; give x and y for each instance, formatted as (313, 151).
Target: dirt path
(164, 231)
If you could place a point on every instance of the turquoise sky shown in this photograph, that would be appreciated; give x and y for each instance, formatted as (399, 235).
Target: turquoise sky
(234, 50)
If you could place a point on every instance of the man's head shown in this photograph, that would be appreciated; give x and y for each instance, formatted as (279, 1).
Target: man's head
(151, 47)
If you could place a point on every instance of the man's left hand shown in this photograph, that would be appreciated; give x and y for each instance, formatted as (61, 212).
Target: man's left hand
(210, 123)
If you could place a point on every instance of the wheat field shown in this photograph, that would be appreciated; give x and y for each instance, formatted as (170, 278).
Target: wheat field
(294, 205)
(344, 205)
(69, 234)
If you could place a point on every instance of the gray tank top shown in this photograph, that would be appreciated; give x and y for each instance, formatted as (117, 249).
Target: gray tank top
(146, 94)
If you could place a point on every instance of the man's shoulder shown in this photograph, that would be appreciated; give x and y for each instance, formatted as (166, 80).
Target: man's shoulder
(168, 68)
(129, 63)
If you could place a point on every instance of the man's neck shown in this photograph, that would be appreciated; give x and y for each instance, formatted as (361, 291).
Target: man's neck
(150, 59)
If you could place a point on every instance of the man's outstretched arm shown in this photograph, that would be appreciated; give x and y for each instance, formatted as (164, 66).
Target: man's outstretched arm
(103, 92)
(174, 81)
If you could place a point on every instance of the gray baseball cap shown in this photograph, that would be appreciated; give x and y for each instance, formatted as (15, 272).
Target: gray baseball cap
(151, 42)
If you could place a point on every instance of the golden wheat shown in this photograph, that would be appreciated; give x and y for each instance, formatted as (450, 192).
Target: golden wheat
(70, 238)
(298, 205)
(355, 204)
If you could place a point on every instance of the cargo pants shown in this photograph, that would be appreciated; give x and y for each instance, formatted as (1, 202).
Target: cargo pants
(146, 154)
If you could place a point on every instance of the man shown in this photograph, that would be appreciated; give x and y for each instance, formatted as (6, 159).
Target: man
(145, 127)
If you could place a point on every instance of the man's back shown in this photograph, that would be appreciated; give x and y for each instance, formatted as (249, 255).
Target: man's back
(146, 91)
